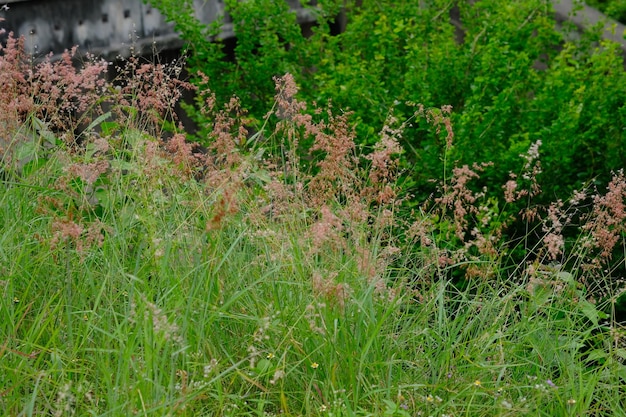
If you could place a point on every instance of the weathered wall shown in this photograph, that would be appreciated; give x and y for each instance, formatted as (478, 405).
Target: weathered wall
(104, 27)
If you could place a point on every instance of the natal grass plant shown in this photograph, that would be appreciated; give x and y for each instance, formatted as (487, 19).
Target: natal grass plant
(142, 276)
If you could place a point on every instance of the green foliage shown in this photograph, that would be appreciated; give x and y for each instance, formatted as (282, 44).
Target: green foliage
(612, 8)
(269, 43)
(140, 276)
(507, 72)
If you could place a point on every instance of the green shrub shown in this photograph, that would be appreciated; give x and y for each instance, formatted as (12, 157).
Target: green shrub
(508, 73)
(612, 8)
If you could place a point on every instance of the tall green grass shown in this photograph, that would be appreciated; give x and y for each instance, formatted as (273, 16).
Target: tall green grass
(166, 318)
(140, 276)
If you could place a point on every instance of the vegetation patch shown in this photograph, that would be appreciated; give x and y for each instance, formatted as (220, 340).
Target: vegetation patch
(283, 262)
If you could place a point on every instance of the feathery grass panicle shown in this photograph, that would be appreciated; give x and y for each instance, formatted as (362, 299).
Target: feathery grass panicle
(56, 92)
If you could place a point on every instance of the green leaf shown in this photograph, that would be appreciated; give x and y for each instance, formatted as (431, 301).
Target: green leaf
(98, 121)
(109, 128)
(590, 311)
(597, 354)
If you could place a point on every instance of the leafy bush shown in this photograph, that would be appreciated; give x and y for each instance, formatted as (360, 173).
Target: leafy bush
(612, 8)
(508, 73)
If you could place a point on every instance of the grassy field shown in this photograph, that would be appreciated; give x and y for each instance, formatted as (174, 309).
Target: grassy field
(141, 275)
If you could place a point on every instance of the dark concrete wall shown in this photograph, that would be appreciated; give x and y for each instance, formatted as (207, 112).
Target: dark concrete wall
(104, 27)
